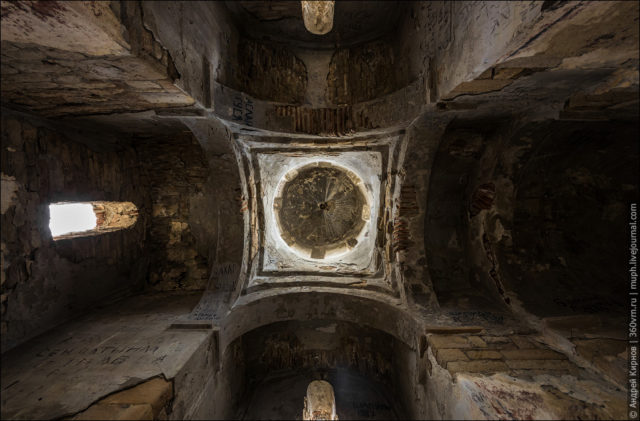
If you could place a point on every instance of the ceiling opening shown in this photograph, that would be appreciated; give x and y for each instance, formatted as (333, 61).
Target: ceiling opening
(321, 210)
(67, 218)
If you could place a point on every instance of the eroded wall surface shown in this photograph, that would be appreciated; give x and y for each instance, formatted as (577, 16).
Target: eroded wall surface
(45, 282)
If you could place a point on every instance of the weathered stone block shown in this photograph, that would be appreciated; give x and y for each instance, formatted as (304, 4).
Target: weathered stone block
(448, 341)
(532, 354)
(496, 339)
(443, 356)
(606, 355)
(155, 392)
(476, 87)
(116, 412)
(523, 342)
(540, 364)
(477, 342)
(450, 330)
(477, 366)
(527, 373)
(483, 354)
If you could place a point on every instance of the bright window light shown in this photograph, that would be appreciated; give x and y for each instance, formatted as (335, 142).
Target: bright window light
(71, 217)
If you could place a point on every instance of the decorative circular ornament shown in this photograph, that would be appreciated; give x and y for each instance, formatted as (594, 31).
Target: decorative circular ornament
(321, 209)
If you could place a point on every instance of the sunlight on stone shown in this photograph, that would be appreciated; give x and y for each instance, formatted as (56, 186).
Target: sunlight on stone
(318, 16)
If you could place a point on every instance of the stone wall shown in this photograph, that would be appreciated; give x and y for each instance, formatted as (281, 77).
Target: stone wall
(549, 251)
(269, 72)
(318, 346)
(352, 358)
(514, 376)
(176, 169)
(45, 282)
(201, 39)
(362, 73)
(450, 43)
(150, 400)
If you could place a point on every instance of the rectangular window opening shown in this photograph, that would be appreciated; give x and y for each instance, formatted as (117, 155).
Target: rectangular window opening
(79, 219)
(67, 218)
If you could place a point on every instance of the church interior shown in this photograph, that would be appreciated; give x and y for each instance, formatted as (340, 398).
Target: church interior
(317, 210)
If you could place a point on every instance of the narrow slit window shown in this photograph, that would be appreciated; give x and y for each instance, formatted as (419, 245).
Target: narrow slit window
(68, 220)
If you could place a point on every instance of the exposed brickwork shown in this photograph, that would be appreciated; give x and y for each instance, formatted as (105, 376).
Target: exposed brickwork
(327, 121)
(176, 170)
(408, 203)
(484, 354)
(401, 235)
(477, 366)
(335, 121)
(57, 83)
(270, 72)
(445, 355)
(514, 355)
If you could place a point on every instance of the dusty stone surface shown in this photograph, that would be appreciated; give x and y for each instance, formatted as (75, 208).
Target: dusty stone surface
(146, 401)
(362, 73)
(83, 361)
(116, 412)
(177, 169)
(86, 66)
(156, 392)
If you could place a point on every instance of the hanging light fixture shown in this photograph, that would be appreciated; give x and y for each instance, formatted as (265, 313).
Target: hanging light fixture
(318, 16)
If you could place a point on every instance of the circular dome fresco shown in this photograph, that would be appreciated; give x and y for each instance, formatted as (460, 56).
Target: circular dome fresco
(321, 210)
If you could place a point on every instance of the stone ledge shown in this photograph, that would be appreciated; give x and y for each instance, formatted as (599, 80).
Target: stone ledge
(477, 342)
(532, 354)
(448, 341)
(523, 342)
(483, 354)
(146, 401)
(446, 355)
(477, 366)
(116, 411)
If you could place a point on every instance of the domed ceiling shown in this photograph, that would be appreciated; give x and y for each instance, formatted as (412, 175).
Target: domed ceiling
(315, 213)
(322, 209)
